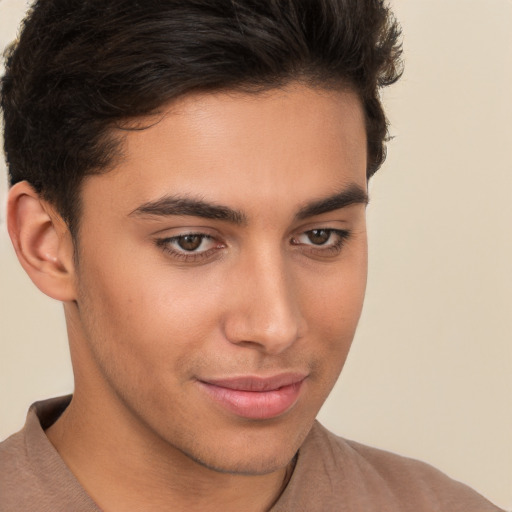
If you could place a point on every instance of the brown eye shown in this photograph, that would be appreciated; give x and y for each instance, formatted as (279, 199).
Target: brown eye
(319, 236)
(322, 241)
(191, 247)
(190, 242)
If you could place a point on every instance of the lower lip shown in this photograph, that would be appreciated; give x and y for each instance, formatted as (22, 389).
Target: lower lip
(257, 405)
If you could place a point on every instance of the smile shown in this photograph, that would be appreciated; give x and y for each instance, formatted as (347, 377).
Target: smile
(255, 397)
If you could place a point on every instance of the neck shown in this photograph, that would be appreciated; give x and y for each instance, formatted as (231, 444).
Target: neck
(123, 466)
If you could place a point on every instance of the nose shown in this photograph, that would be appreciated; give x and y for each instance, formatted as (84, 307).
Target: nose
(263, 309)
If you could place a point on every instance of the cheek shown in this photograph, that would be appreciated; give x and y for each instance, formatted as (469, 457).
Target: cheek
(334, 299)
(332, 303)
(150, 319)
(143, 317)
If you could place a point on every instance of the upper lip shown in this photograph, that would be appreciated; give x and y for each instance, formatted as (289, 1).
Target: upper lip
(257, 383)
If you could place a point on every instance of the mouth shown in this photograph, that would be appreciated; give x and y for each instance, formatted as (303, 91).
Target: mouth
(255, 397)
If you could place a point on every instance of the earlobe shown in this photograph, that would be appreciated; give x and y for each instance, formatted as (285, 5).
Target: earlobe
(42, 242)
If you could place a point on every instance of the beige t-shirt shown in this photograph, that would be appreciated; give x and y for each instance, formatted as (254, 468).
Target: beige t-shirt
(331, 474)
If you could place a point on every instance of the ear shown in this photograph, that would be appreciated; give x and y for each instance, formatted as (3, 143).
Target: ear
(42, 242)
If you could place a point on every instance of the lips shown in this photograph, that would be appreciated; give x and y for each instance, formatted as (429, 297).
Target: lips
(255, 397)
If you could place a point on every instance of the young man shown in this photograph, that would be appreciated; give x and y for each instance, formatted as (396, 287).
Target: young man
(190, 180)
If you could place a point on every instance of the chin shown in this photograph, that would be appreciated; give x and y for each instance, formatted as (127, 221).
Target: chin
(249, 466)
(250, 454)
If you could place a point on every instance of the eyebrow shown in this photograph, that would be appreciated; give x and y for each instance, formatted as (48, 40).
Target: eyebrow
(179, 206)
(174, 205)
(354, 194)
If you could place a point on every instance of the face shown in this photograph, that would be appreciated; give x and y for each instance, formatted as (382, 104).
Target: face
(221, 274)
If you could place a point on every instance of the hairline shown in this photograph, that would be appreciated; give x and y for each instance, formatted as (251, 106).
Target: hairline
(115, 132)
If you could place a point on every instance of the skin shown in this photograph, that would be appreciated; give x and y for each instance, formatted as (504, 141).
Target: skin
(148, 321)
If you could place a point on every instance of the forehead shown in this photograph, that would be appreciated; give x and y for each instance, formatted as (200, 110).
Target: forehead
(232, 147)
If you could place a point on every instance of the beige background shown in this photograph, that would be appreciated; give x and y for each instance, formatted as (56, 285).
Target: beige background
(430, 374)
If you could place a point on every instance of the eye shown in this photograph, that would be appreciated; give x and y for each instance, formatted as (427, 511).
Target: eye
(189, 246)
(318, 236)
(189, 242)
(321, 237)
(322, 241)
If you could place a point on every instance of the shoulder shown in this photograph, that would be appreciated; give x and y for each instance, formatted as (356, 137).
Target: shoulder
(15, 473)
(344, 474)
(32, 474)
(13, 456)
(395, 470)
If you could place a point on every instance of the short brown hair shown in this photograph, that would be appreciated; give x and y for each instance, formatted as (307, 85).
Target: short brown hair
(81, 67)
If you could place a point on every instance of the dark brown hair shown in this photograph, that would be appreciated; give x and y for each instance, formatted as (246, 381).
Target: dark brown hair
(81, 67)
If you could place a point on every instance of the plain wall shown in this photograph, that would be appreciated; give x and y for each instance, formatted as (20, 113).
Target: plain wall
(430, 372)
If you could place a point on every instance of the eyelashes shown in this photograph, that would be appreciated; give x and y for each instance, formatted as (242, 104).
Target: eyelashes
(322, 239)
(197, 247)
(190, 247)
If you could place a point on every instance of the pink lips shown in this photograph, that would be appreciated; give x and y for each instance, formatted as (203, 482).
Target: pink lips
(255, 397)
